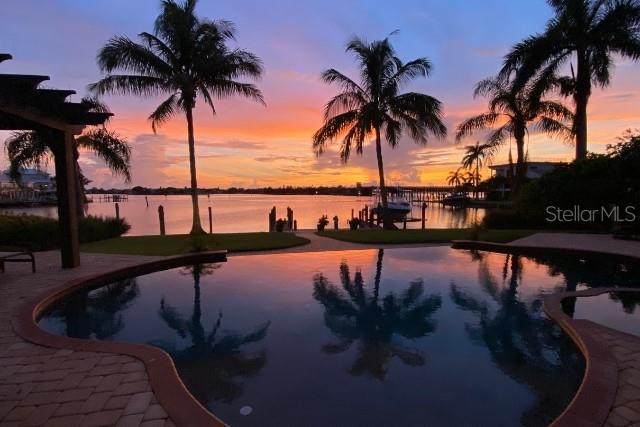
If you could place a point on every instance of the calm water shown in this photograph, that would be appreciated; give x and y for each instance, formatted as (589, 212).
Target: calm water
(371, 337)
(618, 310)
(237, 213)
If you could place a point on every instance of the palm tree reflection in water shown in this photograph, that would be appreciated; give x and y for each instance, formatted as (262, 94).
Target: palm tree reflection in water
(354, 314)
(214, 364)
(522, 342)
(97, 314)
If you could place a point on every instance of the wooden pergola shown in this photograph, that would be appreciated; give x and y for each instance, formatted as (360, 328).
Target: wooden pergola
(25, 106)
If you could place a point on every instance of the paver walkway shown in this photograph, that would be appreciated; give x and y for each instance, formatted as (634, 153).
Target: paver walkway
(44, 386)
(40, 385)
(626, 351)
(589, 242)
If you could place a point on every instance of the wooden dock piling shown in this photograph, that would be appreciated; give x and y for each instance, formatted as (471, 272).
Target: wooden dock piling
(161, 218)
(210, 221)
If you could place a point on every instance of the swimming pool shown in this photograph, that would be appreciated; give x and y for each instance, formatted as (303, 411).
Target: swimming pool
(421, 336)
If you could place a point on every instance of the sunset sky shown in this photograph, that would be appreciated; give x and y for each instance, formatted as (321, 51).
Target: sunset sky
(249, 145)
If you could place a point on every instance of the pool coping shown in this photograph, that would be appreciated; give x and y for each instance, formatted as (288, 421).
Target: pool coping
(165, 382)
(594, 400)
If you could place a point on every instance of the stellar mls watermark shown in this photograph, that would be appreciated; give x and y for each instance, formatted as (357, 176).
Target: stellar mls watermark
(602, 214)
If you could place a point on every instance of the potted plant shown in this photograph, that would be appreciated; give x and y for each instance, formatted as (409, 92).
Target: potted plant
(323, 222)
(353, 223)
(280, 225)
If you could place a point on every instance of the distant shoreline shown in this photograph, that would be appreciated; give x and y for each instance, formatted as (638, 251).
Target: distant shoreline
(283, 191)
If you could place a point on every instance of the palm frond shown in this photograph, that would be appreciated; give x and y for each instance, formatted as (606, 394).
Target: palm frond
(26, 149)
(111, 148)
(342, 102)
(123, 54)
(479, 122)
(164, 111)
(332, 76)
(332, 129)
(129, 85)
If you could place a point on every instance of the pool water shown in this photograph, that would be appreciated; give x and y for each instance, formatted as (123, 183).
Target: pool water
(617, 310)
(420, 336)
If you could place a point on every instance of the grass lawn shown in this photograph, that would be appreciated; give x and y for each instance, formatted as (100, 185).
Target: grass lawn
(424, 236)
(176, 244)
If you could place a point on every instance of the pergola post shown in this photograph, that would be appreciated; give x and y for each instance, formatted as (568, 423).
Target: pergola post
(66, 187)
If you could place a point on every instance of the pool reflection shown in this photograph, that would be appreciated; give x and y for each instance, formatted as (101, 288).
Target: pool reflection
(214, 365)
(96, 314)
(523, 342)
(424, 336)
(355, 314)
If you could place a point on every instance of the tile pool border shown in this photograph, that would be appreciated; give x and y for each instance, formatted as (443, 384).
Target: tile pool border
(594, 400)
(169, 389)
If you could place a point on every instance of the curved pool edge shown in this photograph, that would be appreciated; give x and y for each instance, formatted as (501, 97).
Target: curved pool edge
(594, 400)
(164, 380)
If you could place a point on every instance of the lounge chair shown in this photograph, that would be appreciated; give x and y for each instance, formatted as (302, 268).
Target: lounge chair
(18, 257)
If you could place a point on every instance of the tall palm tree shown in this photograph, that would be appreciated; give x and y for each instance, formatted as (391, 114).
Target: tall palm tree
(587, 31)
(34, 149)
(375, 105)
(185, 57)
(475, 157)
(456, 178)
(511, 112)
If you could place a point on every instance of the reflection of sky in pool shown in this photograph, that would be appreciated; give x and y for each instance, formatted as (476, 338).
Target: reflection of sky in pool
(422, 336)
(618, 310)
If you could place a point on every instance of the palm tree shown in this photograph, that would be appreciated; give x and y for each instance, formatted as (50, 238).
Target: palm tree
(591, 31)
(34, 149)
(456, 178)
(475, 157)
(511, 112)
(185, 57)
(354, 314)
(363, 110)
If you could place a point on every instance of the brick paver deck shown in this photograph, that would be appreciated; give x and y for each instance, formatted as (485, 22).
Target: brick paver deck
(45, 386)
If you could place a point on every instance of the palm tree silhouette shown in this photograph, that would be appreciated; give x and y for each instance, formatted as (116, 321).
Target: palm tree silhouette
(475, 157)
(456, 178)
(185, 57)
(355, 315)
(34, 148)
(96, 314)
(515, 110)
(523, 343)
(213, 365)
(592, 31)
(375, 105)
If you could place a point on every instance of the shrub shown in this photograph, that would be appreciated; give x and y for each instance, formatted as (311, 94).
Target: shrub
(354, 223)
(280, 225)
(506, 219)
(93, 228)
(323, 222)
(37, 233)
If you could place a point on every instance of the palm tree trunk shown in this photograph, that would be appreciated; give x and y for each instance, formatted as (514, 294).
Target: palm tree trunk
(81, 197)
(196, 228)
(520, 163)
(581, 98)
(477, 177)
(387, 222)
